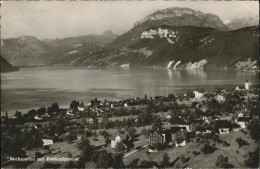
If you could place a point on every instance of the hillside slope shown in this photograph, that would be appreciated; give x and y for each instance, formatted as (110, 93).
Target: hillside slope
(6, 66)
(186, 48)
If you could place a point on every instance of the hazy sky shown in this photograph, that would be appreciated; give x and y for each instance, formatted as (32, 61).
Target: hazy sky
(56, 19)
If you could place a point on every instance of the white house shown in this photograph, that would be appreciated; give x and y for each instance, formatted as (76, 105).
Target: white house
(47, 142)
(221, 98)
(240, 115)
(125, 105)
(237, 88)
(117, 138)
(242, 121)
(181, 144)
(184, 125)
(168, 116)
(223, 130)
(81, 108)
(198, 95)
(246, 85)
(38, 117)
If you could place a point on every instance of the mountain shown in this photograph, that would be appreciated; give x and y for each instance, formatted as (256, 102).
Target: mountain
(6, 66)
(30, 51)
(184, 47)
(243, 22)
(75, 47)
(26, 51)
(172, 17)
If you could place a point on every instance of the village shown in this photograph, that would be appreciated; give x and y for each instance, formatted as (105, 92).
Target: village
(174, 131)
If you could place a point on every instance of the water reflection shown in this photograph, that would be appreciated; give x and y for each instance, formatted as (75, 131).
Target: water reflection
(35, 87)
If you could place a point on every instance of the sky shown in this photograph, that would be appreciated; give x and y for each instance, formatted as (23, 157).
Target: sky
(59, 19)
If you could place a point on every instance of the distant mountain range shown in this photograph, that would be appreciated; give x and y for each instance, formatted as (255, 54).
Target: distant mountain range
(30, 51)
(177, 38)
(243, 22)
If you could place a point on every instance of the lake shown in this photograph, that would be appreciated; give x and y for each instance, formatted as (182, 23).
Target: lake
(37, 87)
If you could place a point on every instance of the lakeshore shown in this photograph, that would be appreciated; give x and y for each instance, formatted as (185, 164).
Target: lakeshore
(122, 130)
(40, 87)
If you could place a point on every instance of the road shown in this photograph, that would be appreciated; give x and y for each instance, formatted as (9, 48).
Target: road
(132, 152)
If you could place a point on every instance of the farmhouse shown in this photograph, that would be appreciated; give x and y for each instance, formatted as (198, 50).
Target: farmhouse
(198, 95)
(118, 138)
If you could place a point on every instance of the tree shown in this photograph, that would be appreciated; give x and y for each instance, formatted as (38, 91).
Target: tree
(132, 132)
(134, 163)
(105, 160)
(72, 136)
(74, 104)
(165, 161)
(220, 160)
(41, 111)
(146, 164)
(253, 127)
(87, 153)
(158, 146)
(207, 149)
(60, 125)
(55, 107)
(241, 142)
(157, 124)
(120, 148)
(253, 159)
(118, 161)
(83, 143)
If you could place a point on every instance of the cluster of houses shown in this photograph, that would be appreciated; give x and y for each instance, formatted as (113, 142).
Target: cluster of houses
(177, 134)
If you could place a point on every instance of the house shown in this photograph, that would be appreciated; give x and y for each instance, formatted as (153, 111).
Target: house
(161, 137)
(178, 136)
(38, 126)
(194, 122)
(235, 127)
(125, 105)
(206, 117)
(81, 108)
(47, 142)
(183, 124)
(246, 85)
(223, 126)
(180, 144)
(203, 130)
(237, 88)
(221, 98)
(240, 114)
(198, 95)
(38, 117)
(118, 138)
(168, 116)
(242, 121)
